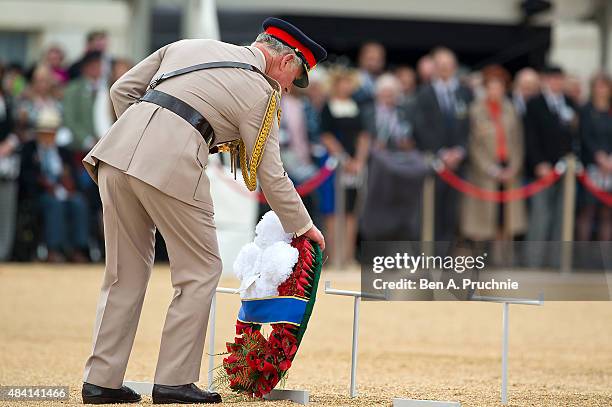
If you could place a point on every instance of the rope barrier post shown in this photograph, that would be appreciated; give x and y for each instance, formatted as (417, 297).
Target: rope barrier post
(428, 206)
(339, 219)
(506, 214)
(506, 248)
(569, 206)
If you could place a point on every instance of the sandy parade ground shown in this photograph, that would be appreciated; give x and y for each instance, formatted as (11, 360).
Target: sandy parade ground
(560, 353)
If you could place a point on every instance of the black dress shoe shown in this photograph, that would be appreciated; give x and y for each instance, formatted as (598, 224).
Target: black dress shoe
(183, 394)
(93, 394)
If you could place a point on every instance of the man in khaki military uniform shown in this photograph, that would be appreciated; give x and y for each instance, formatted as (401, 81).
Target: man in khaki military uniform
(150, 169)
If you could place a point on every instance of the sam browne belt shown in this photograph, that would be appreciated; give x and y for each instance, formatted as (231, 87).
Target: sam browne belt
(183, 109)
(236, 148)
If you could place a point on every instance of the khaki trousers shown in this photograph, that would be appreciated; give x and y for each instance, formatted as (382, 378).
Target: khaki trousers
(132, 210)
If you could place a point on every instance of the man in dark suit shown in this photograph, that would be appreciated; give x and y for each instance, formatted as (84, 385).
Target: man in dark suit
(441, 127)
(97, 41)
(372, 60)
(526, 85)
(551, 123)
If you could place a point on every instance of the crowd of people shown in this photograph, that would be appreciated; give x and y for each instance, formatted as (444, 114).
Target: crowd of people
(499, 132)
(384, 124)
(50, 116)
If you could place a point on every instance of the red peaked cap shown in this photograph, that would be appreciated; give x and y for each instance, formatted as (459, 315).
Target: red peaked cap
(305, 48)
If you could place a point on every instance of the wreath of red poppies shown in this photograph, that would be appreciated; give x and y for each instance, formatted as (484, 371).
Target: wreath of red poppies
(255, 364)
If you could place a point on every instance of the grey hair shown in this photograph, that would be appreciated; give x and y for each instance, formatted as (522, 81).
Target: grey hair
(277, 48)
(387, 81)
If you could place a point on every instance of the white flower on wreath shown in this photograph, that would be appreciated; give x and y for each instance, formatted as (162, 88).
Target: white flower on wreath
(262, 265)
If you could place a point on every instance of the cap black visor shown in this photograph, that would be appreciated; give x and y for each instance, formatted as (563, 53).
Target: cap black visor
(302, 80)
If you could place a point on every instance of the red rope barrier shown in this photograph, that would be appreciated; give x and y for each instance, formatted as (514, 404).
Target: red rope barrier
(475, 191)
(303, 189)
(604, 196)
(306, 187)
(452, 179)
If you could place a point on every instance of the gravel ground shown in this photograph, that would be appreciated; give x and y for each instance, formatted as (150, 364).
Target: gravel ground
(560, 354)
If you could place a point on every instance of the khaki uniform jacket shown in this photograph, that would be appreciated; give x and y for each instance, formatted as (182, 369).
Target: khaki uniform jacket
(160, 148)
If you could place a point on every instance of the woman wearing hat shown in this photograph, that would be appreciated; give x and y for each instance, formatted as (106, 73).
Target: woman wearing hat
(48, 175)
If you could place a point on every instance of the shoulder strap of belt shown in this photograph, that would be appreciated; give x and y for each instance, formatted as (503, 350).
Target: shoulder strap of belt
(199, 67)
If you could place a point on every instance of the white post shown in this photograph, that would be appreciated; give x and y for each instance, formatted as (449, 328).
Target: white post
(506, 301)
(211, 341)
(357, 295)
(200, 19)
(504, 387)
(357, 300)
(140, 28)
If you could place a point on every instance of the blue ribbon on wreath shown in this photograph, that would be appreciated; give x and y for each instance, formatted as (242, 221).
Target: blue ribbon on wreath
(273, 310)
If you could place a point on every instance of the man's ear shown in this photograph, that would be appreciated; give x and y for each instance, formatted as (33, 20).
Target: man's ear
(286, 61)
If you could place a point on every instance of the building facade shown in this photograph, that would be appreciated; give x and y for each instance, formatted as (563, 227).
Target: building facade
(575, 34)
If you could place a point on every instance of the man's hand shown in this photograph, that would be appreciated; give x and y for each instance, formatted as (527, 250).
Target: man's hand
(315, 235)
(6, 148)
(452, 157)
(604, 161)
(543, 169)
(505, 175)
(609, 162)
(353, 166)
